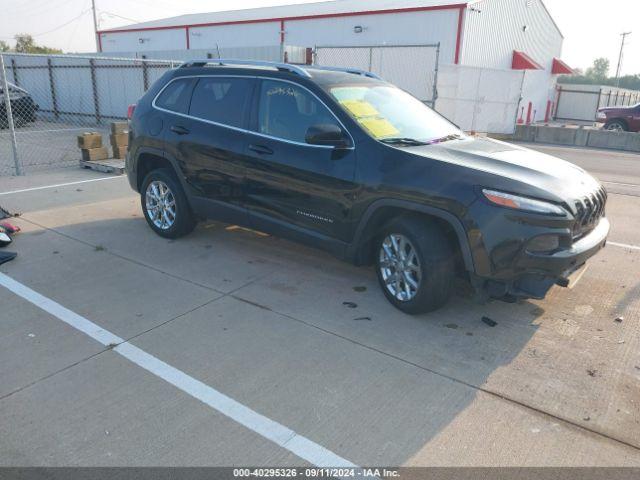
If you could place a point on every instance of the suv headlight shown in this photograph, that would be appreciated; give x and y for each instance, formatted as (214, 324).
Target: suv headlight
(522, 203)
(601, 116)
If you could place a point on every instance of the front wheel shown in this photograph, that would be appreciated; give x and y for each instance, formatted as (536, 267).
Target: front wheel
(415, 265)
(165, 205)
(616, 126)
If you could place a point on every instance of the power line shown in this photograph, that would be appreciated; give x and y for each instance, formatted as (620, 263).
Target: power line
(56, 28)
(111, 14)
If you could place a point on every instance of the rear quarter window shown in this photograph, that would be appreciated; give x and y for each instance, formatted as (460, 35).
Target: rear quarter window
(175, 97)
(221, 99)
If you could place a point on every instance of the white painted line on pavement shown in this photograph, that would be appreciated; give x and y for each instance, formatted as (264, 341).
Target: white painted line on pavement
(267, 428)
(624, 245)
(58, 185)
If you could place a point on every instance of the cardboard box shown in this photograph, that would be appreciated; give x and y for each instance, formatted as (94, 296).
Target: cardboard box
(119, 139)
(119, 127)
(120, 151)
(91, 154)
(90, 140)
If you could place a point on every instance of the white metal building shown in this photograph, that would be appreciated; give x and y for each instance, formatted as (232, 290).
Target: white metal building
(480, 32)
(490, 34)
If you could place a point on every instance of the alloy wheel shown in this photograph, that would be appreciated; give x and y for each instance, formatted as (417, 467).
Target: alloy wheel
(160, 204)
(615, 127)
(400, 267)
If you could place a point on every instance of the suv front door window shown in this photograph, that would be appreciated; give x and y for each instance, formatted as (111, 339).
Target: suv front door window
(287, 111)
(289, 180)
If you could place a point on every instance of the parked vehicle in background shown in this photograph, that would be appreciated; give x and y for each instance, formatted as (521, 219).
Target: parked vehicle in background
(341, 160)
(23, 107)
(620, 119)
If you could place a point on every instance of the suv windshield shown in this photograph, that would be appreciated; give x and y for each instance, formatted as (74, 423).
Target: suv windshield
(391, 115)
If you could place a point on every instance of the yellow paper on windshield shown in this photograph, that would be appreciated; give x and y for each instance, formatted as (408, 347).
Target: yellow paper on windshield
(379, 127)
(360, 108)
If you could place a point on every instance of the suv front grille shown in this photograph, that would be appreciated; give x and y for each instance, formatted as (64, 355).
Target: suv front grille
(590, 210)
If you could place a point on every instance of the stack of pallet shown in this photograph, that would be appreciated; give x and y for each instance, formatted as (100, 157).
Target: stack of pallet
(90, 144)
(119, 139)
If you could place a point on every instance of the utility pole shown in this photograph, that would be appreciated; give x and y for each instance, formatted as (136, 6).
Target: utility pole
(624, 38)
(95, 24)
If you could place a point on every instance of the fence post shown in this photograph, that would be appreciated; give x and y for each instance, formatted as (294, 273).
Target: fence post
(52, 88)
(434, 95)
(14, 69)
(9, 114)
(145, 76)
(94, 84)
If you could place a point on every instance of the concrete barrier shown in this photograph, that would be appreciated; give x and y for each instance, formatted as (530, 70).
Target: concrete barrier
(578, 137)
(555, 136)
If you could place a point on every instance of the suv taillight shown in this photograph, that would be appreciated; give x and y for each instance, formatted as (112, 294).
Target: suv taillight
(130, 110)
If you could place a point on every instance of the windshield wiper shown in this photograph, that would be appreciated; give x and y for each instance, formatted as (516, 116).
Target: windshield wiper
(403, 141)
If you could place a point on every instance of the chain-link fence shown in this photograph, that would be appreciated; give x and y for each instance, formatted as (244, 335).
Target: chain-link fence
(413, 68)
(46, 101)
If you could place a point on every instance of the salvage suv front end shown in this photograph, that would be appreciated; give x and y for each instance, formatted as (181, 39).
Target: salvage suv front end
(535, 223)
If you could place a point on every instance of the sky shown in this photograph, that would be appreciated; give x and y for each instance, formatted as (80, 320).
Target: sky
(591, 28)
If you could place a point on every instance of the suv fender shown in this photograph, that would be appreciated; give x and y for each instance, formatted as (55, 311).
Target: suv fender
(167, 162)
(360, 237)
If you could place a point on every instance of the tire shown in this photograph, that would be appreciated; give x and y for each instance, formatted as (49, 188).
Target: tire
(616, 126)
(179, 220)
(435, 263)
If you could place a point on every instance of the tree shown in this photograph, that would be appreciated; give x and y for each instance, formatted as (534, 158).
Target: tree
(4, 46)
(600, 70)
(26, 44)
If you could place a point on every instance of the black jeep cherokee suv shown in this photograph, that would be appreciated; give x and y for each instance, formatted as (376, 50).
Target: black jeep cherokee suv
(346, 162)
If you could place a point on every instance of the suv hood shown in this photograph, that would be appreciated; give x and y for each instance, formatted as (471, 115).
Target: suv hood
(555, 179)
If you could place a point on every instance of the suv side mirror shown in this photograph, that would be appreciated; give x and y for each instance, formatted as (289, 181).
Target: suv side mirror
(326, 134)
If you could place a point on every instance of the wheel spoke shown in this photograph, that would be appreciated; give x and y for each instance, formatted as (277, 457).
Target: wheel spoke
(386, 263)
(388, 252)
(409, 280)
(407, 289)
(398, 289)
(396, 248)
(402, 245)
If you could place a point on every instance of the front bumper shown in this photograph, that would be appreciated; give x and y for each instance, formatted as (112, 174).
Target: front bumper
(568, 259)
(539, 272)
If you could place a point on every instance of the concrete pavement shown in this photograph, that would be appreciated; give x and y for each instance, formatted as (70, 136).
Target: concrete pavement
(263, 320)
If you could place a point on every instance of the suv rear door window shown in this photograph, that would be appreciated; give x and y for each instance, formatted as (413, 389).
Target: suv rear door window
(221, 100)
(176, 96)
(286, 111)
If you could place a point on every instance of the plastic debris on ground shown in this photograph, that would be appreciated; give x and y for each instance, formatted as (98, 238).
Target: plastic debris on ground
(7, 257)
(4, 214)
(488, 321)
(9, 228)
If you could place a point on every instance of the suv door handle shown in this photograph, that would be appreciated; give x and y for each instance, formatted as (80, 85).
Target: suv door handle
(179, 129)
(261, 149)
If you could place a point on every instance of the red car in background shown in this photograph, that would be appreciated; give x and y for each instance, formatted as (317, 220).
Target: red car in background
(620, 119)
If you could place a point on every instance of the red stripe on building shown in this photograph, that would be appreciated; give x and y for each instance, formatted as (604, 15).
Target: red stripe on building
(459, 6)
(459, 37)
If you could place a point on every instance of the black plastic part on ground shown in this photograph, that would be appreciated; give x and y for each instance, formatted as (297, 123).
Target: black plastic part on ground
(4, 213)
(7, 257)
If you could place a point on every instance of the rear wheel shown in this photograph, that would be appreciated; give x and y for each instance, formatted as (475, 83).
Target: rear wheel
(415, 265)
(165, 205)
(616, 126)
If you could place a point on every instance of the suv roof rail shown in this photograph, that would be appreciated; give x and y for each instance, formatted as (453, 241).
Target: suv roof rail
(354, 71)
(286, 67)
